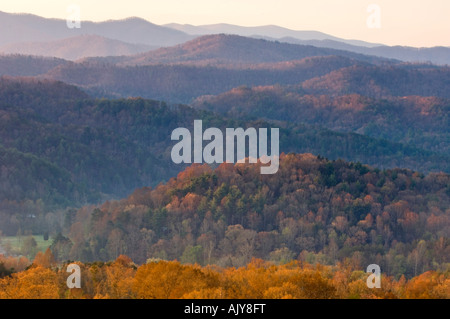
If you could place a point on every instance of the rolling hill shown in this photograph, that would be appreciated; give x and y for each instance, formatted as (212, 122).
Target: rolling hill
(414, 120)
(237, 50)
(27, 65)
(374, 81)
(181, 83)
(313, 210)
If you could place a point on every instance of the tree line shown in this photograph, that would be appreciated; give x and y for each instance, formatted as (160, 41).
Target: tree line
(159, 279)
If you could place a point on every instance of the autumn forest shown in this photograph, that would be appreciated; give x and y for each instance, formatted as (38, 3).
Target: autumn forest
(87, 179)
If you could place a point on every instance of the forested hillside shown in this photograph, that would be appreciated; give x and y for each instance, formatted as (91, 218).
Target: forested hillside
(375, 81)
(312, 210)
(25, 65)
(61, 148)
(111, 147)
(182, 82)
(87, 174)
(412, 120)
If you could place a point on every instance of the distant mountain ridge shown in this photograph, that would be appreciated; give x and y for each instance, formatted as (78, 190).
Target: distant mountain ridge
(233, 49)
(76, 47)
(181, 83)
(18, 29)
(437, 55)
(214, 64)
(271, 31)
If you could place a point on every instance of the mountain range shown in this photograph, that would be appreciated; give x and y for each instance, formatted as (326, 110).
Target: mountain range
(270, 31)
(31, 34)
(236, 50)
(206, 65)
(87, 115)
(76, 47)
(217, 63)
(20, 28)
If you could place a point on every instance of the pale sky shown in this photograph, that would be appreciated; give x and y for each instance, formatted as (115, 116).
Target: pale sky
(401, 22)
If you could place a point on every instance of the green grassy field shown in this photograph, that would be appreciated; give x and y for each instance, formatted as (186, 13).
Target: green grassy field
(16, 243)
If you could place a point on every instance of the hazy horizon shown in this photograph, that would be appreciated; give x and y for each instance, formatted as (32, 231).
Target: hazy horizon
(408, 23)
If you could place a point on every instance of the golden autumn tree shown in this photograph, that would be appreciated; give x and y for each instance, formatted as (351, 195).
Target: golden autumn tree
(168, 280)
(119, 278)
(35, 283)
(313, 284)
(287, 290)
(429, 285)
(45, 259)
(250, 281)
